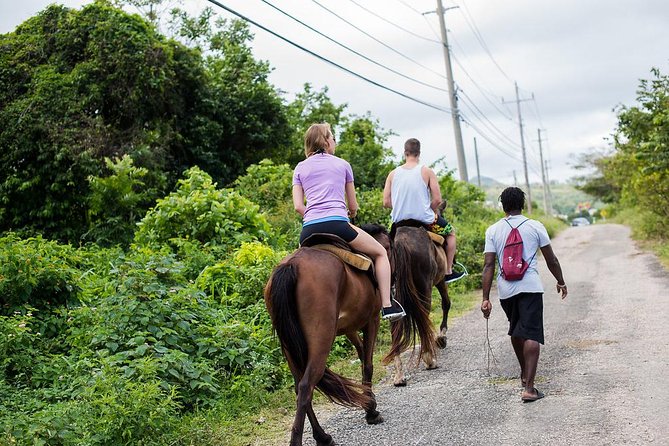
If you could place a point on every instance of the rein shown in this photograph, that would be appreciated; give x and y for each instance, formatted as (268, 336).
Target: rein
(489, 355)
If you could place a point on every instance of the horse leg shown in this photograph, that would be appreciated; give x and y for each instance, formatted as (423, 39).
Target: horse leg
(430, 361)
(445, 308)
(399, 380)
(372, 416)
(305, 392)
(322, 439)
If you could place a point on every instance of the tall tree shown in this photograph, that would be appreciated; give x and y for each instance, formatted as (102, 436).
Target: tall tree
(79, 86)
(361, 143)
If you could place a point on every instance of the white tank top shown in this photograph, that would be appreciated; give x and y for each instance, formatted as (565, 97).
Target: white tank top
(410, 196)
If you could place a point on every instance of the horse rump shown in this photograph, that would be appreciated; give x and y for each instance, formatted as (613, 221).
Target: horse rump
(280, 300)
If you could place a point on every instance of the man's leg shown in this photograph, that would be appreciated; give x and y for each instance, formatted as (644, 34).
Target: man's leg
(517, 344)
(531, 350)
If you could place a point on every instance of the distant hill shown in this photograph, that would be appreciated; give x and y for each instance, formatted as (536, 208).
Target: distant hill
(565, 196)
(487, 183)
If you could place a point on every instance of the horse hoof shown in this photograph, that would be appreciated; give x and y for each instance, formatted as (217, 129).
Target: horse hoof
(375, 419)
(441, 342)
(431, 366)
(328, 441)
(400, 383)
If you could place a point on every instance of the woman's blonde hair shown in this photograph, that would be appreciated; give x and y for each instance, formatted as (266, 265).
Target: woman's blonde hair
(316, 139)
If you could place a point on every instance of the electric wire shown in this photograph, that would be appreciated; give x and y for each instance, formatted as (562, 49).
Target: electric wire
(377, 40)
(487, 138)
(324, 59)
(352, 50)
(477, 111)
(485, 94)
(394, 24)
(472, 25)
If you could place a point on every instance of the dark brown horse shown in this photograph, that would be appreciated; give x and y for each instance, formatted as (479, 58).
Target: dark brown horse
(418, 265)
(312, 297)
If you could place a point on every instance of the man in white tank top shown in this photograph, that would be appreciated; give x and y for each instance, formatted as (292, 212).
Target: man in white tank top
(412, 192)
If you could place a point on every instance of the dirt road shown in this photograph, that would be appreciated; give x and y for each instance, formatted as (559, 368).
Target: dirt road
(604, 368)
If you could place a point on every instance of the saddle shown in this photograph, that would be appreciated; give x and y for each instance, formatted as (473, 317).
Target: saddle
(337, 246)
(436, 238)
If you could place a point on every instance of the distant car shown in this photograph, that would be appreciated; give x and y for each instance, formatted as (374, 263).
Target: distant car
(580, 221)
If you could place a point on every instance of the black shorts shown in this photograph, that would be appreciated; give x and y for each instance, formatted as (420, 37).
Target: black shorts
(337, 227)
(525, 312)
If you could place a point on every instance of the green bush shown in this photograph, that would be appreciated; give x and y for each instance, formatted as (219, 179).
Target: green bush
(199, 211)
(36, 273)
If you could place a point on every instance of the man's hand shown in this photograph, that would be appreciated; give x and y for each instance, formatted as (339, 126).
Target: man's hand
(562, 289)
(486, 308)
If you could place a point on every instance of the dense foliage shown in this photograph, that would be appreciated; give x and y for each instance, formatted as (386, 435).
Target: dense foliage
(635, 173)
(79, 86)
(145, 199)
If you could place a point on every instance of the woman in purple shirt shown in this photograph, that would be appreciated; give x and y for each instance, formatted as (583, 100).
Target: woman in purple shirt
(326, 182)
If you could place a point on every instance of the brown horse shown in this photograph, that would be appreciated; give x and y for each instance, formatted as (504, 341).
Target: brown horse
(312, 297)
(418, 265)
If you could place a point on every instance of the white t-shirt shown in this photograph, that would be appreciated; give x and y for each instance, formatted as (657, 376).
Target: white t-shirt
(534, 236)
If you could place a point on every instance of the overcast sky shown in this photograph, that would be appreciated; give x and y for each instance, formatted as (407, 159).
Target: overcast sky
(574, 61)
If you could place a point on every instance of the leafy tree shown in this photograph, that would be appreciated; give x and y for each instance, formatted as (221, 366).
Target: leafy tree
(308, 107)
(79, 86)
(361, 144)
(601, 180)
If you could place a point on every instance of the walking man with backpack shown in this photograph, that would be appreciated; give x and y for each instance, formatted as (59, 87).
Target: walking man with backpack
(513, 242)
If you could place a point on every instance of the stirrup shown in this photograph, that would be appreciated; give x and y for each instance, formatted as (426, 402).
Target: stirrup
(464, 270)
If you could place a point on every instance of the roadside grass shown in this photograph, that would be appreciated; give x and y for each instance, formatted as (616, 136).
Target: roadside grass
(271, 425)
(645, 233)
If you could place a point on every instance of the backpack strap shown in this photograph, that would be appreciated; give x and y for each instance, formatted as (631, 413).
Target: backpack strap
(523, 222)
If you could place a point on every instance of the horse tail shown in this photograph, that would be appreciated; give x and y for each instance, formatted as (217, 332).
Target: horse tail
(416, 305)
(280, 302)
(282, 307)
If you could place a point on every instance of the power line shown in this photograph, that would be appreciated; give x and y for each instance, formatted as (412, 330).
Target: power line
(394, 24)
(487, 138)
(478, 87)
(377, 40)
(352, 50)
(324, 59)
(499, 132)
(479, 37)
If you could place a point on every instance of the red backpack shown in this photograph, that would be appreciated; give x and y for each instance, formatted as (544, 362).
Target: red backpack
(513, 266)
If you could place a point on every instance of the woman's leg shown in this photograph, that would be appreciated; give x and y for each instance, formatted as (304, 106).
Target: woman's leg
(366, 244)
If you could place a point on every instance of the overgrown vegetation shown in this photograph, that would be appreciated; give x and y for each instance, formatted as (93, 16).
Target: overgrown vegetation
(632, 177)
(144, 202)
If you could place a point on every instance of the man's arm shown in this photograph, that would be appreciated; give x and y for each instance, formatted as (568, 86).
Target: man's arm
(487, 275)
(555, 269)
(435, 192)
(387, 188)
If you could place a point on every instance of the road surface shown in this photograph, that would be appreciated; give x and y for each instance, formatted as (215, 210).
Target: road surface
(604, 367)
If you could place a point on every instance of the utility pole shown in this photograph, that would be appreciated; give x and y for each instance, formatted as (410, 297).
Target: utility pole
(478, 172)
(543, 174)
(515, 180)
(455, 113)
(548, 188)
(522, 145)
